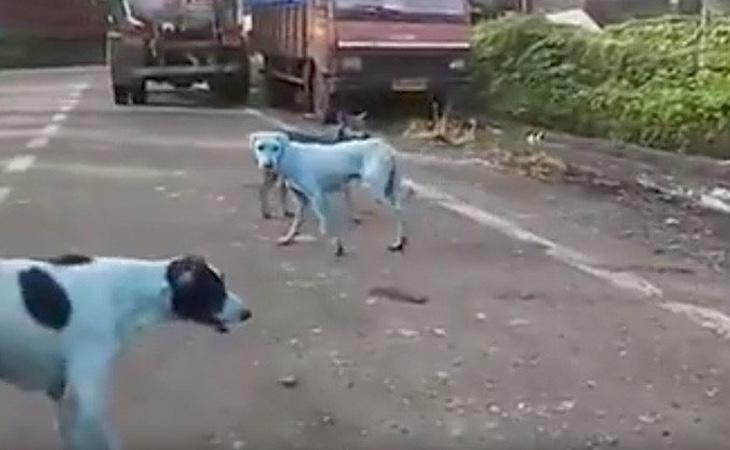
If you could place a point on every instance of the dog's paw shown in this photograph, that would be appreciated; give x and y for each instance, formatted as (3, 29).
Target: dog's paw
(399, 246)
(266, 216)
(284, 241)
(339, 248)
(288, 214)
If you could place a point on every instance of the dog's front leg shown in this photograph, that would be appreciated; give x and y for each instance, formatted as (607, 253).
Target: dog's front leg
(297, 222)
(283, 188)
(350, 205)
(82, 411)
(268, 179)
(320, 205)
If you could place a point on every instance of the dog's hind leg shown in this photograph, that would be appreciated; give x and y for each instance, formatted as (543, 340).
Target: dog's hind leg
(387, 191)
(401, 240)
(297, 222)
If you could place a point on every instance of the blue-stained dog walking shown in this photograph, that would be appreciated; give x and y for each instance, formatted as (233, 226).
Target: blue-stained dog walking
(63, 322)
(351, 127)
(315, 170)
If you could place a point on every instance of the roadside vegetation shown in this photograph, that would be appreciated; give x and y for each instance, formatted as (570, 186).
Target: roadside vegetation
(645, 82)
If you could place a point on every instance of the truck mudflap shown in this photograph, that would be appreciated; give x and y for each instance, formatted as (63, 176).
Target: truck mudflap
(172, 71)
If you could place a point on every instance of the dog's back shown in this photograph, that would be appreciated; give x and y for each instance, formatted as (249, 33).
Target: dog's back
(360, 159)
(307, 138)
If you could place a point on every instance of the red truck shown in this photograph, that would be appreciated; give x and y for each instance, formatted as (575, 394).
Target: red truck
(177, 41)
(336, 51)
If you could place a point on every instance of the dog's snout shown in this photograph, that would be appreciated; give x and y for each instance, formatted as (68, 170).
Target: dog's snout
(268, 165)
(245, 315)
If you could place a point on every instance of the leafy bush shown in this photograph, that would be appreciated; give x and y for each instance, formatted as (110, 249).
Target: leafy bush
(639, 82)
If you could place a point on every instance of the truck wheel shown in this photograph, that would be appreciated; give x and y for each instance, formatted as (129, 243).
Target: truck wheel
(437, 103)
(139, 94)
(121, 95)
(322, 104)
(278, 93)
(233, 88)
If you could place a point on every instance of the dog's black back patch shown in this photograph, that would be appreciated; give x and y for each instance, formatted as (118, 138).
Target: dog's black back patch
(45, 299)
(68, 260)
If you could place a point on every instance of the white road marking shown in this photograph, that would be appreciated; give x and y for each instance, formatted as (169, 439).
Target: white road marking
(37, 143)
(68, 101)
(4, 192)
(19, 163)
(272, 120)
(17, 133)
(40, 138)
(708, 318)
(568, 256)
(18, 120)
(440, 160)
(80, 86)
(51, 129)
(109, 171)
(59, 117)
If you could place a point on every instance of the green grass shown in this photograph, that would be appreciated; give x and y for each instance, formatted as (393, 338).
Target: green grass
(638, 82)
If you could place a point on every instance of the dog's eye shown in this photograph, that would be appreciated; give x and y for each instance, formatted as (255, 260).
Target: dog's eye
(260, 147)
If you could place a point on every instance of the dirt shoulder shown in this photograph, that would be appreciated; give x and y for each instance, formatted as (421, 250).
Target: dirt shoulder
(675, 204)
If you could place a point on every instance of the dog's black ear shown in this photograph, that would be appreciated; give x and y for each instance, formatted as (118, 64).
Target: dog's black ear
(198, 293)
(183, 270)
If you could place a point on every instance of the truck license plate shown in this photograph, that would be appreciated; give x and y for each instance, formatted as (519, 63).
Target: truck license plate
(410, 84)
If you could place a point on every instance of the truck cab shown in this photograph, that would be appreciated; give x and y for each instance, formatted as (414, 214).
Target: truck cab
(176, 41)
(340, 50)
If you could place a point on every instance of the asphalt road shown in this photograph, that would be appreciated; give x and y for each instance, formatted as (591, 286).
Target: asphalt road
(541, 331)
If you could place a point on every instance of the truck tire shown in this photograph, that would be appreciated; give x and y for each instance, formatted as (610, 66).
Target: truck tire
(233, 87)
(139, 94)
(279, 93)
(121, 95)
(322, 99)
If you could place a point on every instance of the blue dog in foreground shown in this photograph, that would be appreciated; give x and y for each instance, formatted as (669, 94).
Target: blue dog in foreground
(64, 321)
(315, 170)
(350, 128)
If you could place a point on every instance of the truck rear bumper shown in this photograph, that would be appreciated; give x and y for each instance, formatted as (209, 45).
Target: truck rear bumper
(375, 84)
(182, 71)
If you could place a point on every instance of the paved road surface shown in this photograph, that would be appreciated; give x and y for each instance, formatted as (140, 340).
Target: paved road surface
(542, 331)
